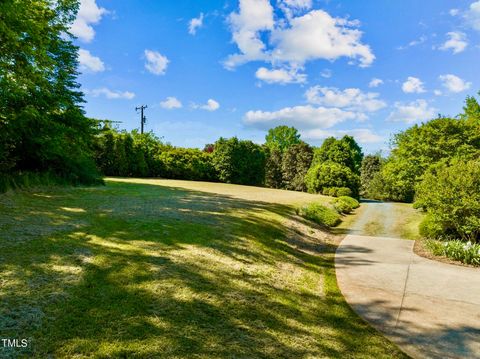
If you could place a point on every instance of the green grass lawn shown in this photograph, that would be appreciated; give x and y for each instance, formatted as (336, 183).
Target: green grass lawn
(172, 269)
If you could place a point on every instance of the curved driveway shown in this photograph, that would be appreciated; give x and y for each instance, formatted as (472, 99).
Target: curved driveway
(430, 309)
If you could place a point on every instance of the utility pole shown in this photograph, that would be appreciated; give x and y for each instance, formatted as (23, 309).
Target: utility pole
(143, 119)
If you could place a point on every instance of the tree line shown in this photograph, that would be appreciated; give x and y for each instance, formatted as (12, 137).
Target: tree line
(284, 161)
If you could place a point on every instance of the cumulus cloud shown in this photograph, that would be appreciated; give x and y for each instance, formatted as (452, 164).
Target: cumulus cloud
(171, 103)
(413, 85)
(302, 117)
(280, 76)
(352, 99)
(456, 41)
(211, 105)
(89, 63)
(454, 12)
(362, 135)
(454, 83)
(295, 40)
(111, 95)
(156, 62)
(375, 82)
(195, 24)
(473, 15)
(89, 13)
(412, 112)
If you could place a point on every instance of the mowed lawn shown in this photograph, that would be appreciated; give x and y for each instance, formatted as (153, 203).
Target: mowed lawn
(175, 269)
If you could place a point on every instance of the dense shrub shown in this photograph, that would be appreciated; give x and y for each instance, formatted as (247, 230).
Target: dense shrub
(187, 163)
(320, 214)
(295, 164)
(239, 162)
(450, 194)
(345, 204)
(331, 174)
(468, 253)
(337, 191)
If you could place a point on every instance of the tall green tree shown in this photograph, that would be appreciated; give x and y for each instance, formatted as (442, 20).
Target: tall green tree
(282, 137)
(371, 166)
(42, 126)
(273, 168)
(295, 164)
(344, 151)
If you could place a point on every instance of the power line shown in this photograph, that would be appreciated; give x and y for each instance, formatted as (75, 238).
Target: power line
(143, 119)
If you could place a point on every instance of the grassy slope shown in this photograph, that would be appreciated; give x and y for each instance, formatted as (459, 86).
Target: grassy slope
(145, 270)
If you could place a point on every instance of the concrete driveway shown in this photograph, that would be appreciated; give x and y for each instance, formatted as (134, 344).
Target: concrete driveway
(430, 309)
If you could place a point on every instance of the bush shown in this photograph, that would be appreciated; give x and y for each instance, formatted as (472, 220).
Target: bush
(450, 194)
(331, 174)
(187, 163)
(345, 204)
(320, 214)
(468, 253)
(295, 164)
(337, 191)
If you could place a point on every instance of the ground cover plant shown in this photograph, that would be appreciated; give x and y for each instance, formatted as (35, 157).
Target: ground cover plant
(147, 268)
(468, 253)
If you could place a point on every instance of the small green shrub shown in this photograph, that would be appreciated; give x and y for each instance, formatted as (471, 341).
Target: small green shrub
(465, 252)
(337, 191)
(345, 204)
(320, 214)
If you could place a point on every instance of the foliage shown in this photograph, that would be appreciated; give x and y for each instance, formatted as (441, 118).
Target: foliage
(345, 151)
(371, 166)
(320, 214)
(450, 194)
(239, 162)
(273, 168)
(282, 137)
(187, 163)
(336, 191)
(345, 204)
(42, 126)
(422, 146)
(468, 253)
(331, 174)
(295, 164)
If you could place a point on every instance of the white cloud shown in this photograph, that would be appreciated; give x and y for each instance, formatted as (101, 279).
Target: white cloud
(473, 15)
(437, 93)
(362, 135)
(111, 95)
(375, 82)
(454, 83)
(454, 12)
(195, 24)
(353, 99)
(422, 39)
(298, 4)
(280, 76)
(211, 105)
(253, 16)
(413, 85)
(89, 13)
(412, 112)
(171, 103)
(156, 62)
(88, 62)
(326, 73)
(302, 117)
(295, 40)
(457, 42)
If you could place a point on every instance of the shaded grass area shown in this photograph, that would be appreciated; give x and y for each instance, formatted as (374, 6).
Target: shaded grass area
(140, 270)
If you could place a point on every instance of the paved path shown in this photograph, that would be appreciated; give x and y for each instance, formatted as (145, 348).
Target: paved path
(430, 309)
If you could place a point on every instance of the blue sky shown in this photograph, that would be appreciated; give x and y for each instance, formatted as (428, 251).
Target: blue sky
(236, 68)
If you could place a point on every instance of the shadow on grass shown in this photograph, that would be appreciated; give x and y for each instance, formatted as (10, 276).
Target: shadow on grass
(148, 271)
